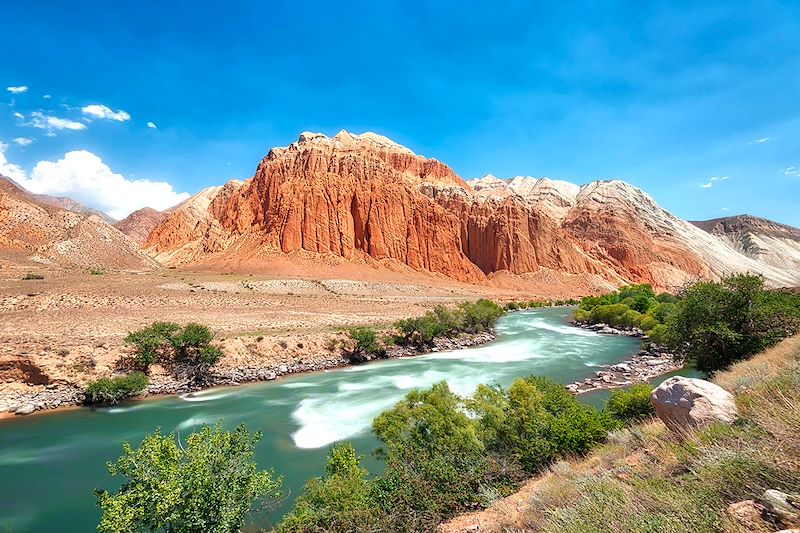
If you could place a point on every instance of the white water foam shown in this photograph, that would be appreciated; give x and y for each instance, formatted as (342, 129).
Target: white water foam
(204, 396)
(297, 385)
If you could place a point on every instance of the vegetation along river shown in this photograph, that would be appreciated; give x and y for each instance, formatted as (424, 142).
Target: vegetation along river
(50, 464)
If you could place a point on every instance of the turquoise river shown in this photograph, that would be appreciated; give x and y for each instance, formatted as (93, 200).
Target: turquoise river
(50, 463)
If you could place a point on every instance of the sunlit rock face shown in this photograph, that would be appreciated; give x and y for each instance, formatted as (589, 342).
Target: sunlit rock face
(364, 198)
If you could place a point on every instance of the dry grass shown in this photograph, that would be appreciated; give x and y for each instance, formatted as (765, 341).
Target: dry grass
(648, 479)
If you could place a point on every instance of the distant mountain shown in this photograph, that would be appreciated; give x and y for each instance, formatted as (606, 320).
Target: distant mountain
(33, 230)
(140, 223)
(365, 199)
(64, 202)
(764, 240)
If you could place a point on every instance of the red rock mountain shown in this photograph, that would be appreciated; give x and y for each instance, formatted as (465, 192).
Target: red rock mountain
(364, 198)
(35, 232)
(138, 225)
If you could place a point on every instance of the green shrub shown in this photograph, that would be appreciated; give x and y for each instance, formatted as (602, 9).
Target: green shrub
(112, 390)
(152, 343)
(185, 348)
(95, 271)
(721, 323)
(341, 500)
(207, 484)
(479, 316)
(629, 319)
(32, 276)
(536, 421)
(364, 343)
(630, 404)
(647, 322)
(435, 463)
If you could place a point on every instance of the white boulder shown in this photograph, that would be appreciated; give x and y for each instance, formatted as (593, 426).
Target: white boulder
(683, 403)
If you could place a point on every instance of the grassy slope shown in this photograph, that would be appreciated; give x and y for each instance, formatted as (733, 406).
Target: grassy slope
(647, 479)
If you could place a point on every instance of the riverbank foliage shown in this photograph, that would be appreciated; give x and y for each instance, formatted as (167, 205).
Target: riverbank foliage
(714, 324)
(207, 485)
(184, 348)
(113, 390)
(445, 454)
(468, 317)
(646, 478)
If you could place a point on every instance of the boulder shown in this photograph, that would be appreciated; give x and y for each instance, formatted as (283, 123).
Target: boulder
(748, 513)
(784, 506)
(26, 409)
(683, 403)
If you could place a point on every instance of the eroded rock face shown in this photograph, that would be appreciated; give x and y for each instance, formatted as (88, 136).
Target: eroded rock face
(687, 403)
(138, 225)
(32, 231)
(364, 198)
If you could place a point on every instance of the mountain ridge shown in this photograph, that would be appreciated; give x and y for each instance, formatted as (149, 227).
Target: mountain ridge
(364, 198)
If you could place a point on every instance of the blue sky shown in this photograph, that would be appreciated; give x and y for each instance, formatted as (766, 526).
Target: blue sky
(666, 95)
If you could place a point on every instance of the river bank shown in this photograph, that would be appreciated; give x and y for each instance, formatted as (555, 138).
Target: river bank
(51, 462)
(21, 399)
(648, 363)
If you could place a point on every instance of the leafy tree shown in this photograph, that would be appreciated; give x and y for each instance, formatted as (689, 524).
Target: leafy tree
(364, 343)
(112, 390)
(630, 404)
(721, 323)
(435, 462)
(536, 421)
(187, 349)
(341, 500)
(152, 343)
(206, 486)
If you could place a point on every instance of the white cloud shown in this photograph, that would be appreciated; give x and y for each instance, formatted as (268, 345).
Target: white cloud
(18, 89)
(152, 125)
(23, 141)
(46, 96)
(83, 176)
(725, 209)
(105, 112)
(19, 115)
(7, 169)
(791, 171)
(762, 140)
(711, 180)
(51, 124)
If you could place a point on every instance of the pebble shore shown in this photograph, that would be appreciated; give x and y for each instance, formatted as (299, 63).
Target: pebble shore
(650, 362)
(55, 395)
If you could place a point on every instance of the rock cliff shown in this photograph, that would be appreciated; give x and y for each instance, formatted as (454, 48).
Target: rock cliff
(364, 198)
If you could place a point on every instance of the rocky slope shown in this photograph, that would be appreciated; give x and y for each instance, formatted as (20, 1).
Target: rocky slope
(138, 225)
(69, 204)
(761, 239)
(363, 198)
(36, 232)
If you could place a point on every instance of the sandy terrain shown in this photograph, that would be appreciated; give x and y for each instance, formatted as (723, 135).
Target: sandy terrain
(68, 328)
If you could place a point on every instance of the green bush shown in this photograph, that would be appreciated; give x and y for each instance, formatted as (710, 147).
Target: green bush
(435, 462)
(32, 276)
(630, 404)
(152, 343)
(721, 323)
(112, 390)
(629, 319)
(207, 485)
(469, 317)
(536, 421)
(341, 500)
(187, 348)
(364, 343)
